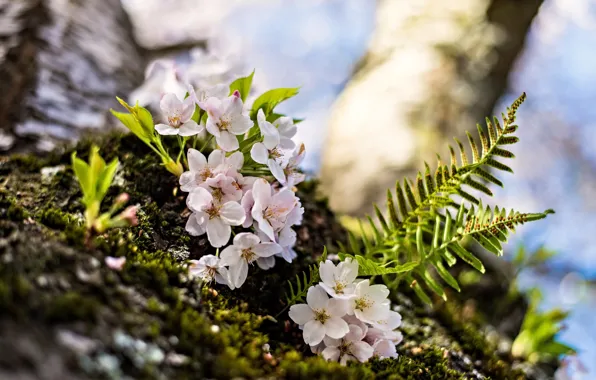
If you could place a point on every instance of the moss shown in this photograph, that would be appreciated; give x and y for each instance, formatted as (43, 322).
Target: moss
(51, 277)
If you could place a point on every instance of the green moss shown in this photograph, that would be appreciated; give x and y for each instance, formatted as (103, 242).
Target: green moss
(56, 278)
(72, 306)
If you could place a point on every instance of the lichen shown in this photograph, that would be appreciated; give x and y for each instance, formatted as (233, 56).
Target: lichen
(50, 276)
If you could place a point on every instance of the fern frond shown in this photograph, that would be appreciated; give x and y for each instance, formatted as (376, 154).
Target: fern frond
(420, 221)
(297, 293)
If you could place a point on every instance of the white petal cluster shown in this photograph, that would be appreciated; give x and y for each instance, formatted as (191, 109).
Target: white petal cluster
(221, 198)
(346, 318)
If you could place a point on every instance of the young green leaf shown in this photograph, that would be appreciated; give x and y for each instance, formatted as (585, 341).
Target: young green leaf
(243, 86)
(270, 99)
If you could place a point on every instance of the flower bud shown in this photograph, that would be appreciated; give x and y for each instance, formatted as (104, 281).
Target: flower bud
(122, 199)
(130, 215)
(236, 93)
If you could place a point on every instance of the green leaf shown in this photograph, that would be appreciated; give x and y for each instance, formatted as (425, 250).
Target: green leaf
(367, 267)
(420, 293)
(446, 276)
(243, 86)
(270, 99)
(146, 121)
(466, 256)
(105, 179)
(81, 170)
(133, 125)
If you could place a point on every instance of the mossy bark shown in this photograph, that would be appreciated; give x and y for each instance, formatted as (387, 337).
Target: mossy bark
(65, 315)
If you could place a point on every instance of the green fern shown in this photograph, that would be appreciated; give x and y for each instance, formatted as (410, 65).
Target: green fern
(426, 224)
(297, 293)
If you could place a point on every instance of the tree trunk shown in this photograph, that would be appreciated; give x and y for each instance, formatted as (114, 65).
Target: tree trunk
(432, 71)
(61, 65)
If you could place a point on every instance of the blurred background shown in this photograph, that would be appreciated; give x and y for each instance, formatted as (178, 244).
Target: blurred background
(384, 86)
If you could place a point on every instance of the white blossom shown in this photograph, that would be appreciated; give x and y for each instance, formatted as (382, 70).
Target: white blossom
(320, 316)
(246, 249)
(384, 348)
(350, 347)
(226, 119)
(212, 217)
(291, 174)
(267, 152)
(287, 130)
(369, 302)
(209, 268)
(200, 169)
(178, 114)
(338, 280)
(203, 93)
(270, 211)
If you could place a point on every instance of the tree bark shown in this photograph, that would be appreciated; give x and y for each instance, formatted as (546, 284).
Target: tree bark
(61, 65)
(432, 71)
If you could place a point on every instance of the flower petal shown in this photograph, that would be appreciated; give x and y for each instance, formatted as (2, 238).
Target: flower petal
(331, 354)
(227, 141)
(230, 255)
(171, 105)
(246, 240)
(190, 128)
(198, 199)
(261, 192)
(362, 351)
(232, 213)
(317, 298)
(212, 127)
(313, 332)
(348, 270)
(166, 130)
(267, 249)
(327, 271)
(218, 232)
(235, 160)
(355, 334)
(336, 327)
(337, 307)
(301, 313)
(193, 227)
(378, 292)
(266, 263)
(277, 171)
(196, 160)
(238, 273)
(259, 153)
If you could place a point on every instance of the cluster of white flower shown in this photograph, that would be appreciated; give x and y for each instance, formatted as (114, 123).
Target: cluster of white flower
(220, 197)
(355, 323)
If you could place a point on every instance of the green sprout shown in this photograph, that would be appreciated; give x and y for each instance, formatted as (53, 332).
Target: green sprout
(536, 340)
(95, 178)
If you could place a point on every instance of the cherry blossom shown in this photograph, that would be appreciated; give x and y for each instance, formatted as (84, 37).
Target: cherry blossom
(209, 268)
(226, 119)
(291, 172)
(384, 348)
(338, 281)
(115, 263)
(246, 249)
(267, 152)
(223, 189)
(369, 302)
(320, 316)
(212, 217)
(287, 130)
(200, 169)
(201, 95)
(178, 114)
(350, 347)
(271, 210)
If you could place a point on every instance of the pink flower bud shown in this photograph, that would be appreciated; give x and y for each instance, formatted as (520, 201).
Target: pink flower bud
(130, 215)
(115, 263)
(122, 198)
(236, 93)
